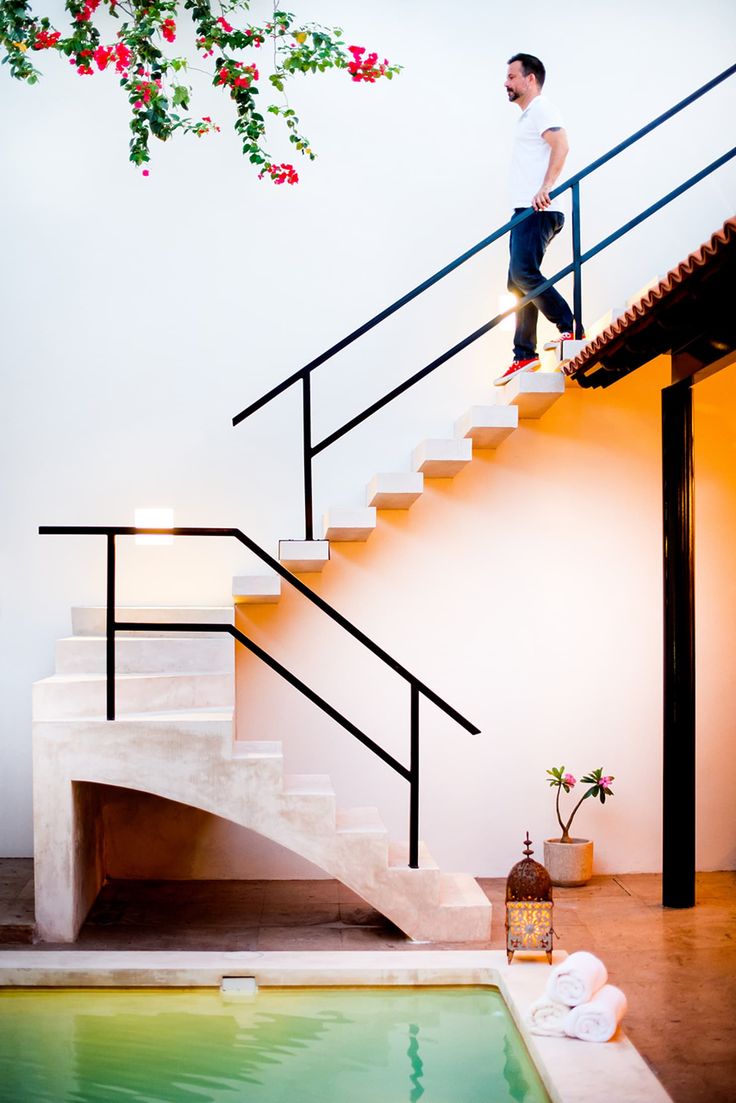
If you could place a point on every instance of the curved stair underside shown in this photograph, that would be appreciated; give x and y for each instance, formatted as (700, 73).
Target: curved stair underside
(174, 737)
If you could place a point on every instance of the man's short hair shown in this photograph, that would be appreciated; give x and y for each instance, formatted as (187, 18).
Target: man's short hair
(530, 65)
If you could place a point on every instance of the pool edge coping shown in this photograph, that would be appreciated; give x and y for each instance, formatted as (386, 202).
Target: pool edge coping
(571, 1071)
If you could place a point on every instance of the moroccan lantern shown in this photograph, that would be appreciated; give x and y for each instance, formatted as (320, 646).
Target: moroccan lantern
(528, 906)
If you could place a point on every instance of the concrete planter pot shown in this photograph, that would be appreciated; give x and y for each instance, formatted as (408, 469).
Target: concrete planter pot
(569, 864)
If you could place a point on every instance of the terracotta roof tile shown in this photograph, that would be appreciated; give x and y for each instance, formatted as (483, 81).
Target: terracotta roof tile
(721, 241)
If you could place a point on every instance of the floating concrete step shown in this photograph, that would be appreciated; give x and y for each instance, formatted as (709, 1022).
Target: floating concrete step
(560, 356)
(191, 719)
(568, 350)
(256, 748)
(464, 912)
(422, 884)
(360, 821)
(304, 556)
(605, 321)
(191, 732)
(395, 491)
(188, 719)
(349, 524)
(89, 620)
(308, 785)
(487, 426)
(266, 759)
(309, 800)
(361, 841)
(398, 856)
(71, 696)
(533, 392)
(146, 654)
(256, 589)
(442, 459)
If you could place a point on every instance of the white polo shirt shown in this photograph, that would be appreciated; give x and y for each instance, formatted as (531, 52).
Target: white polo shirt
(530, 156)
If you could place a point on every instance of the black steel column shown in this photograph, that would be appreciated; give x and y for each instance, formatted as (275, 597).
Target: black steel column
(414, 783)
(577, 278)
(307, 443)
(110, 627)
(678, 775)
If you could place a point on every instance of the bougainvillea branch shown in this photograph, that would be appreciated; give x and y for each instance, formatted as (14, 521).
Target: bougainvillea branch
(153, 77)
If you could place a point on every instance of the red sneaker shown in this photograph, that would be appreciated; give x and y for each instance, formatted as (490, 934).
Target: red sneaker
(516, 368)
(556, 342)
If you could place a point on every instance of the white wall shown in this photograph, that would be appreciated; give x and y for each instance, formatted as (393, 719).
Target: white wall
(140, 314)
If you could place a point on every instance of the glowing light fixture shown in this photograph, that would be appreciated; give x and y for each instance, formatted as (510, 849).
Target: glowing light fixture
(154, 519)
(505, 302)
(528, 907)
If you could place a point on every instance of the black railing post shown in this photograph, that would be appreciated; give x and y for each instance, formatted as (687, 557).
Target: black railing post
(110, 627)
(307, 443)
(577, 292)
(678, 766)
(414, 781)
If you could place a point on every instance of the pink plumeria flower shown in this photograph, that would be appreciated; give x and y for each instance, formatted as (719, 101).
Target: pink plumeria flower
(605, 782)
(569, 779)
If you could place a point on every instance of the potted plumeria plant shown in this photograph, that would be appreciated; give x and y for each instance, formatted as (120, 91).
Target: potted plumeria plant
(569, 861)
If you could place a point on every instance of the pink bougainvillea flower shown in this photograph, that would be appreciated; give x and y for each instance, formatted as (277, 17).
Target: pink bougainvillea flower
(280, 174)
(102, 56)
(225, 25)
(45, 40)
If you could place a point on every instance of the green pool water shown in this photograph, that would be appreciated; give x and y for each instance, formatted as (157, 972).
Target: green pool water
(353, 1045)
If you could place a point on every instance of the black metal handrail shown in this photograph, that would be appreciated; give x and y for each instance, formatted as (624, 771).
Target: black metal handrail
(311, 450)
(417, 687)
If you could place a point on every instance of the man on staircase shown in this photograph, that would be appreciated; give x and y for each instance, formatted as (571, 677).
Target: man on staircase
(540, 149)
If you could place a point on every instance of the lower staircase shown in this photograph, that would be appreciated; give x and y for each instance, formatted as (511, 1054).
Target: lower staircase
(174, 736)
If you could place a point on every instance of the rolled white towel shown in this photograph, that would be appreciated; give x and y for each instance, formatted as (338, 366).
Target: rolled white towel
(597, 1021)
(576, 979)
(547, 1017)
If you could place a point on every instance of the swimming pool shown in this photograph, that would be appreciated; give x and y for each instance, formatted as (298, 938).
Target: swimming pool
(327, 1045)
(571, 1071)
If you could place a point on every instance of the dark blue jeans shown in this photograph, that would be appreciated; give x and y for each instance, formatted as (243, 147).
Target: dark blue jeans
(528, 245)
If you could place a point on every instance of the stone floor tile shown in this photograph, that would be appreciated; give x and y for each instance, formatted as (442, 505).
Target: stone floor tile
(599, 887)
(299, 938)
(290, 914)
(716, 888)
(360, 915)
(303, 892)
(20, 912)
(373, 938)
(145, 938)
(346, 895)
(15, 935)
(16, 867)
